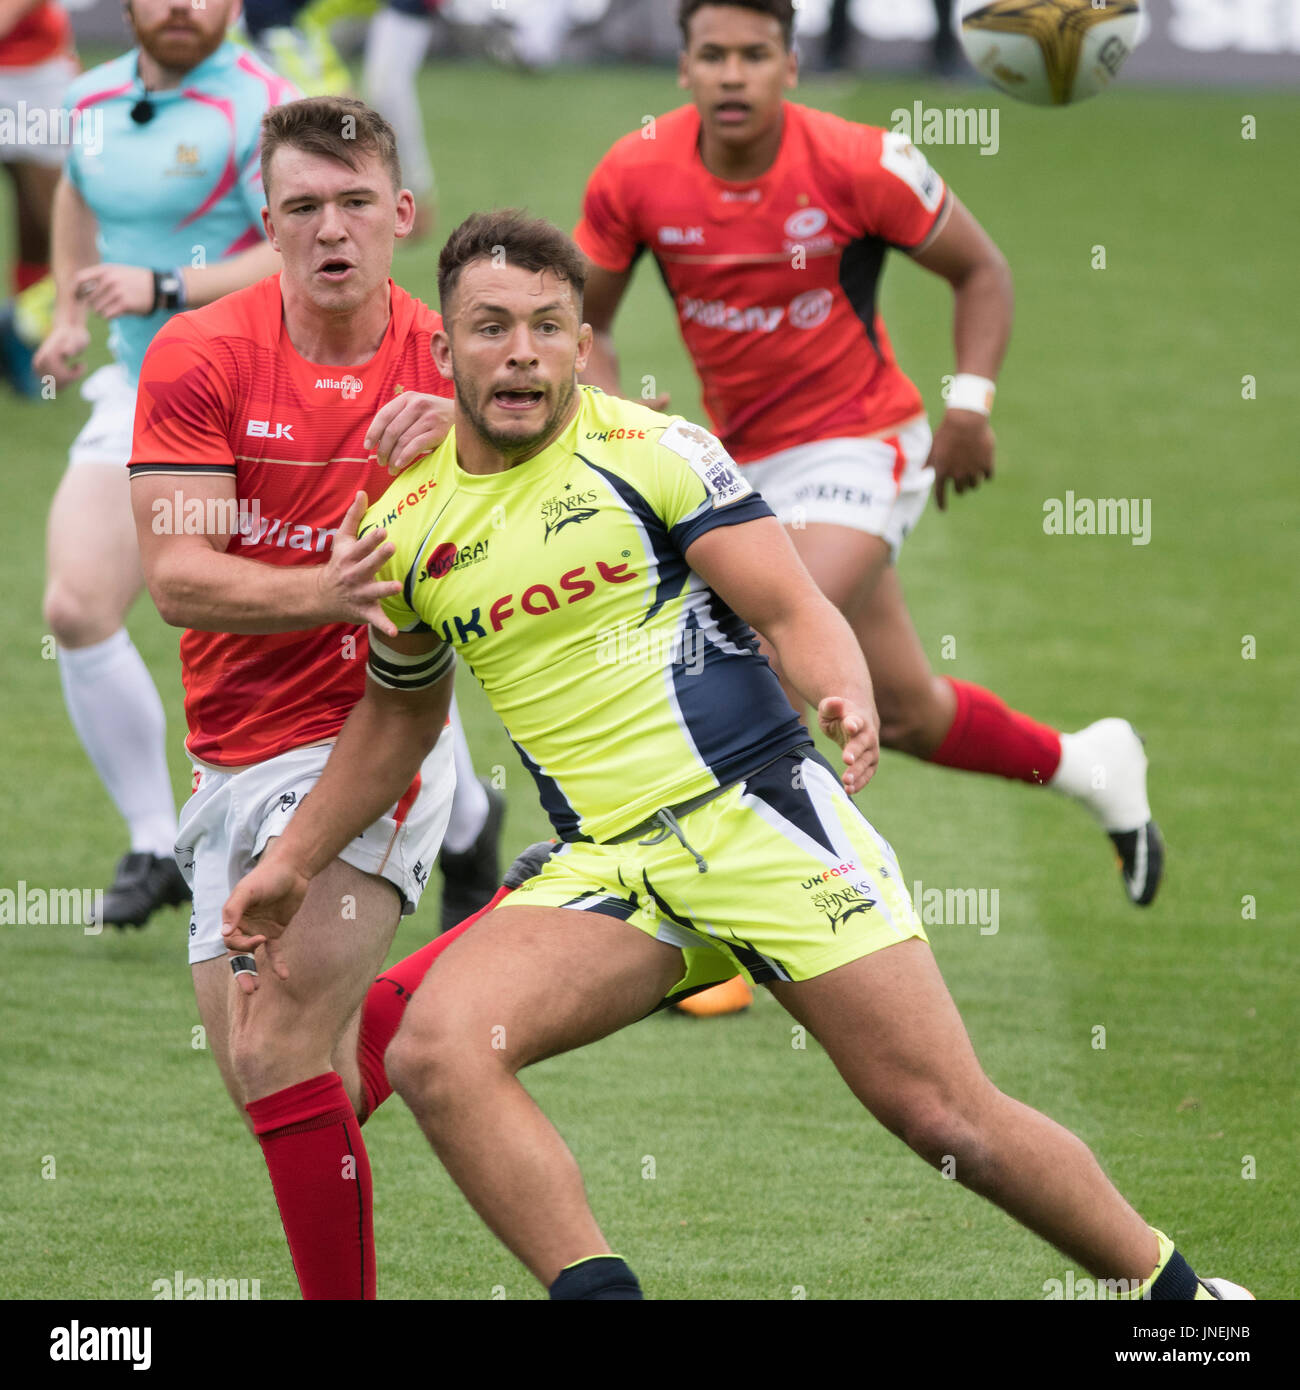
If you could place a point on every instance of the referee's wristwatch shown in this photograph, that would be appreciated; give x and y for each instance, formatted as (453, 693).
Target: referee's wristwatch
(168, 290)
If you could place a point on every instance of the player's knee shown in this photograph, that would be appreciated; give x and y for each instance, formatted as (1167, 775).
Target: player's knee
(946, 1132)
(430, 1063)
(265, 1054)
(75, 618)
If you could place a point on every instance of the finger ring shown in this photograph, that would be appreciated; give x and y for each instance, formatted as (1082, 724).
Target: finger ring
(244, 965)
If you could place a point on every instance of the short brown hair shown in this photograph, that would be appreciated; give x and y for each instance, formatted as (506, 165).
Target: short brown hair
(340, 128)
(531, 243)
(780, 10)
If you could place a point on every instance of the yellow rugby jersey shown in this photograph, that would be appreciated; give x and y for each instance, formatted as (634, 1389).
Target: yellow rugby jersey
(624, 681)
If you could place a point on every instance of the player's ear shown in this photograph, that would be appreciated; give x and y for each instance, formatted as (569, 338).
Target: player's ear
(269, 227)
(585, 340)
(792, 67)
(683, 77)
(405, 213)
(440, 350)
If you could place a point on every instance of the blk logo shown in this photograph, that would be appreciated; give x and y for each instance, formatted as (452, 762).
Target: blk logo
(261, 429)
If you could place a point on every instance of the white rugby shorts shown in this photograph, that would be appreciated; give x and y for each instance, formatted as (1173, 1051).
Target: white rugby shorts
(879, 485)
(33, 98)
(226, 823)
(106, 437)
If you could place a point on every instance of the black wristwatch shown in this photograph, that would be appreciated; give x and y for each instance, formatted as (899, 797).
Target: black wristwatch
(168, 290)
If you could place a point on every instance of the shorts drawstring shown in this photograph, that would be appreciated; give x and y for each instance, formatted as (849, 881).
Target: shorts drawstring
(669, 826)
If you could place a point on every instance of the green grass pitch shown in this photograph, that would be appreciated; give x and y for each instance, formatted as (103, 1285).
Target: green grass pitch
(725, 1162)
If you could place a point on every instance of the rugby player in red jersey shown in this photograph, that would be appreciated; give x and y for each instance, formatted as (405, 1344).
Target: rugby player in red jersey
(253, 431)
(770, 222)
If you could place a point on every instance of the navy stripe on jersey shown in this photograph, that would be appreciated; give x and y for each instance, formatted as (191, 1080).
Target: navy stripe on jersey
(558, 809)
(726, 692)
(671, 568)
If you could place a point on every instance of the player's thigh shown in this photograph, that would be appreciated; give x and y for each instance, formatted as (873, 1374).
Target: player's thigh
(93, 568)
(212, 982)
(332, 950)
(911, 700)
(532, 982)
(845, 563)
(891, 1029)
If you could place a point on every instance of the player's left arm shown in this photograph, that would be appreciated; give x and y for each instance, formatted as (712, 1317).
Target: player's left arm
(753, 567)
(964, 254)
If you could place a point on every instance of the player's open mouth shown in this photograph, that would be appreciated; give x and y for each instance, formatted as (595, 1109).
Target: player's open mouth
(731, 112)
(335, 270)
(517, 400)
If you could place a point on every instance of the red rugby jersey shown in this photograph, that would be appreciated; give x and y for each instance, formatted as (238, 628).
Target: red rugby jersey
(787, 343)
(223, 390)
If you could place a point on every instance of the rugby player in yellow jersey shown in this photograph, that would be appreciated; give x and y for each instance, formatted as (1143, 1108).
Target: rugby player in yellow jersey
(601, 569)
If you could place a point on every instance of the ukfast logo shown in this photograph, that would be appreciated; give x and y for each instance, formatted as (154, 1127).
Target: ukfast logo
(261, 429)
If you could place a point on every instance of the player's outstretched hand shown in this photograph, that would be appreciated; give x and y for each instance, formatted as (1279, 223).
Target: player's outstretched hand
(962, 453)
(856, 731)
(408, 427)
(660, 402)
(349, 591)
(54, 356)
(114, 290)
(257, 912)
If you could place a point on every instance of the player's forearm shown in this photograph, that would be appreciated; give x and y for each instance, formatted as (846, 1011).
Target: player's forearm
(72, 248)
(379, 750)
(204, 284)
(983, 309)
(602, 365)
(820, 655)
(207, 590)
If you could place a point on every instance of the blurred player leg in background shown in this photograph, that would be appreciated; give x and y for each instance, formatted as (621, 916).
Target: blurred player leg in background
(945, 52)
(37, 61)
(396, 43)
(293, 37)
(850, 546)
(93, 576)
(540, 29)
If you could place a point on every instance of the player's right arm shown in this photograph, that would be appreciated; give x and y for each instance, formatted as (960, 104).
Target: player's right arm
(607, 236)
(184, 495)
(379, 751)
(600, 301)
(196, 584)
(72, 249)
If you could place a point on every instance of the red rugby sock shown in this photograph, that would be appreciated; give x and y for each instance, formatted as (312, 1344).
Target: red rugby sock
(321, 1176)
(987, 736)
(386, 1002)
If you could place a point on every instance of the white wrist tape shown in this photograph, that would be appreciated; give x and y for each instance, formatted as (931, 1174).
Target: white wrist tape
(970, 392)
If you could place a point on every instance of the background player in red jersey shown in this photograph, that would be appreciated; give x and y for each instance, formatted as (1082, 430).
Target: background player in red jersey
(259, 409)
(770, 223)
